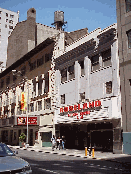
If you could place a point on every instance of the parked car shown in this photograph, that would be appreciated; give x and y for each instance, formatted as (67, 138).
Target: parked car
(10, 163)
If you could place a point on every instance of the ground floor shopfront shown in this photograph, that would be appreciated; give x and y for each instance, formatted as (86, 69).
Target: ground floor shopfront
(104, 135)
(10, 135)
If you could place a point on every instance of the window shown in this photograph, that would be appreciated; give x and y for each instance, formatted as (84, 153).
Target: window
(39, 105)
(9, 32)
(32, 66)
(128, 5)
(5, 26)
(10, 21)
(23, 71)
(130, 86)
(6, 20)
(47, 57)
(2, 83)
(14, 77)
(32, 107)
(63, 75)
(6, 14)
(40, 86)
(40, 61)
(47, 104)
(95, 62)
(10, 27)
(46, 90)
(129, 38)
(82, 67)
(108, 87)
(0, 12)
(63, 99)
(0, 17)
(0, 29)
(82, 97)
(11, 16)
(71, 72)
(7, 80)
(106, 58)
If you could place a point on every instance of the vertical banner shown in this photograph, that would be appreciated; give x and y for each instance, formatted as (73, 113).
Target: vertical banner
(23, 101)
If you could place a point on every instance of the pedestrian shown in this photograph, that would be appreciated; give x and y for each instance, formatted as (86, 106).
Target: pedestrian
(53, 142)
(63, 142)
(58, 142)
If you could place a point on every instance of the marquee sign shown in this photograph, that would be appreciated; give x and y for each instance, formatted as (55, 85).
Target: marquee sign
(80, 109)
(23, 121)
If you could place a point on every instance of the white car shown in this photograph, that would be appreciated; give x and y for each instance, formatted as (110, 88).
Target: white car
(10, 163)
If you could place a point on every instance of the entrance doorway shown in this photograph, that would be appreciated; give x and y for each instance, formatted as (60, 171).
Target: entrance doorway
(102, 140)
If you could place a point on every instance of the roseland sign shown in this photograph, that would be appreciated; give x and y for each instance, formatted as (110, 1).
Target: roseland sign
(23, 121)
(80, 109)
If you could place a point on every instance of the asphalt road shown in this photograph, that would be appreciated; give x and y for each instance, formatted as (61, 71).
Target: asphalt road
(61, 164)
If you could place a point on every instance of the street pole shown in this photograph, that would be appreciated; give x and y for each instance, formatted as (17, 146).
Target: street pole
(27, 110)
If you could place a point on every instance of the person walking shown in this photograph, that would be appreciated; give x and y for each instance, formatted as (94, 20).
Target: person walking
(58, 142)
(63, 142)
(53, 142)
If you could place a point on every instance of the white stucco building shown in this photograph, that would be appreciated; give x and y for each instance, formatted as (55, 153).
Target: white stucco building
(87, 91)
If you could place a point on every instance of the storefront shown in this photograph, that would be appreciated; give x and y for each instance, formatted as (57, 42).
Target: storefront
(88, 125)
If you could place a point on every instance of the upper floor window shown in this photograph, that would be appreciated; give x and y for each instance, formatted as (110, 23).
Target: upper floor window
(5, 26)
(40, 61)
(32, 66)
(63, 75)
(39, 105)
(106, 58)
(47, 57)
(71, 72)
(0, 12)
(10, 27)
(0, 17)
(39, 85)
(129, 38)
(128, 5)
(11, 16)
(95, 62)
(7, 80)
(46, 90)
(6, 20)
(47, 104)
(2, 83)
(82, 67)
(6, 14)
(10, 21)
(109, 87)
(82, 97)
(23, 71)
(63, 99)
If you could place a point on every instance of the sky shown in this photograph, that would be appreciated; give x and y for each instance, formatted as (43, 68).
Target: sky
(78, 14)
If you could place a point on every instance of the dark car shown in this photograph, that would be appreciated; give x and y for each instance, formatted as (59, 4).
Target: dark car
(10, 163)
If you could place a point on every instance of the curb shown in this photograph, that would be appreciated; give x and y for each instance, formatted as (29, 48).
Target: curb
(53, 152)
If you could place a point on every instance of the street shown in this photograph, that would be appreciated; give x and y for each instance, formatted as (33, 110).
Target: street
(61, 164)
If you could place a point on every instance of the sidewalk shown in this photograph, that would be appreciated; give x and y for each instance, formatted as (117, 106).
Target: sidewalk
(77, 153)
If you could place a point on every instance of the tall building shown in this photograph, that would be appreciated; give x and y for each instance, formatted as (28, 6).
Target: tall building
(8, 21)
(30, 51)
(124, 45)
(87, 97)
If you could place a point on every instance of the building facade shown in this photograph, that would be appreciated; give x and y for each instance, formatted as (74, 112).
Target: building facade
(124, 42)
(30, 52)
(87, 100)
(8, 21)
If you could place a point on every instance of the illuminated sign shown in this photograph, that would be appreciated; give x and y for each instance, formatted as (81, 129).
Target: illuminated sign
(23, 121)
(84, 109)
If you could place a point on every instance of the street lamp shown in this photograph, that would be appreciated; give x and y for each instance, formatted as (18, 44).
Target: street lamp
(18, 73)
